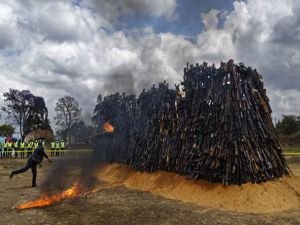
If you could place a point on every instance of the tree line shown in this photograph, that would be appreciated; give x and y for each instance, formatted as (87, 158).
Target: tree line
(288, 125)
(26, 112)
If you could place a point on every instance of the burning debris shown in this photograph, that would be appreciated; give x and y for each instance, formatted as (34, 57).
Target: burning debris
(75, 191)
(218, 128)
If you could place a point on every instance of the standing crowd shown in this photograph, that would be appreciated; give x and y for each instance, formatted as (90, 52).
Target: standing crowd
(21, 149)
(57, 148)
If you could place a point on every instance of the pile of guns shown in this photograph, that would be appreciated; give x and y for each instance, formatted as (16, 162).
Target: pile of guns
(227, 134)
(218, 127)
(154, 130)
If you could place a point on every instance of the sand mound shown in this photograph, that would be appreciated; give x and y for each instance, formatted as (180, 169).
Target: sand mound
(273, 196)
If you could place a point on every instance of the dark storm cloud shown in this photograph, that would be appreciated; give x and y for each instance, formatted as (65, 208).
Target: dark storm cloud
(53, 30)
(115, 9)
(6, 37)
(60, 68)
(287, 31)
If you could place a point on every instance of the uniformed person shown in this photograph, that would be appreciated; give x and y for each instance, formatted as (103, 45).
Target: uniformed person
(16, 148)
(57, 148)
(52, 148)
(62, 147)
(35, 144)
(22, 148)
(1, 150)
(9, 149)
(5, 154)
(29, 147)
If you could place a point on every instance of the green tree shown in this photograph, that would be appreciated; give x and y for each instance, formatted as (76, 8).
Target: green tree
(80, 132)
(67, 113)
(38, 118)
(25, 110)
(289, 124)
(6, 130)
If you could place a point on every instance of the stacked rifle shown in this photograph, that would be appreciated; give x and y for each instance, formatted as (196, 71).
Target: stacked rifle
(227, 134)
(154, 130)
(217, 128)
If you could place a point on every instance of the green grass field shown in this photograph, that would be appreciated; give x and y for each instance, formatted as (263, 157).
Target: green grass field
(291, 150)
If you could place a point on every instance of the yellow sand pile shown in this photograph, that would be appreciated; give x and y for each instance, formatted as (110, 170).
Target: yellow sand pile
(272, 196)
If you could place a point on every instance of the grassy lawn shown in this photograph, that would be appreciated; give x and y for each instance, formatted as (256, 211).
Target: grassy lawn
(291, 149)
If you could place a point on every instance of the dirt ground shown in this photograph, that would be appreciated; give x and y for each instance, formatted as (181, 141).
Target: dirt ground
(268, 197)
(120, 205)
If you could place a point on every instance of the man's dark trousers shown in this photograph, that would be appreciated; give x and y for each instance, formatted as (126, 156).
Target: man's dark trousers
(31, 164)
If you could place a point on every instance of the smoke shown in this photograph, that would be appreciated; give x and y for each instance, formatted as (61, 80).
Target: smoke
(87, 118)
(120, 80)
(65, 171)
(83, 168)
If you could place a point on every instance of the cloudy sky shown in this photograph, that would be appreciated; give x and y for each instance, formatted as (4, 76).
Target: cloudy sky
(87, 47)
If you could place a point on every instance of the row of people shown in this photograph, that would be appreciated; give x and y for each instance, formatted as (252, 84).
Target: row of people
(57, 148)
(15, 149)
(10, 149)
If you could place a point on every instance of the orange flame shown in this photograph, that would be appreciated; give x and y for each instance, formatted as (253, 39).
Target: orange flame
(72, 192)
(108, 127)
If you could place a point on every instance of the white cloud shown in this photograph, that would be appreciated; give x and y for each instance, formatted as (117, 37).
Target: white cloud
(58, 48)
(61, 22)
(284, 102)
(264, 35)
(210, 19)
(7, 26)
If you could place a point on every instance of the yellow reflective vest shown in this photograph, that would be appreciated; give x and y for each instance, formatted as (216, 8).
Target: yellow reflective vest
(9, 145)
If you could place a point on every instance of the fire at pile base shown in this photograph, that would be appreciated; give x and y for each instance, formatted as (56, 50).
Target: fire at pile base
(269, 197)
(45, 201)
